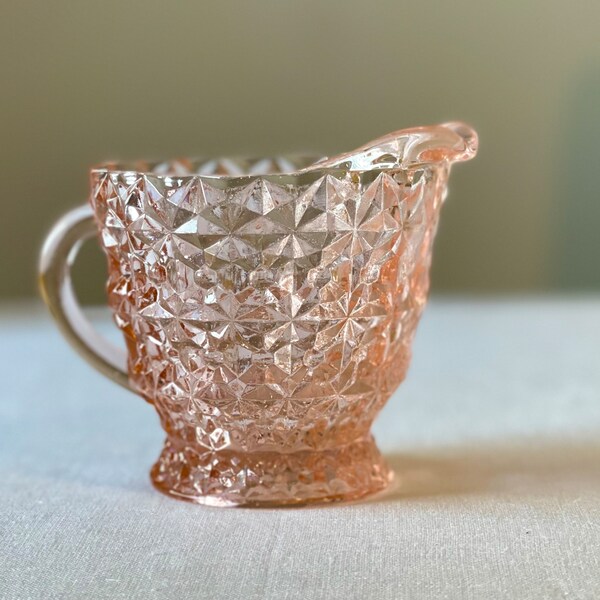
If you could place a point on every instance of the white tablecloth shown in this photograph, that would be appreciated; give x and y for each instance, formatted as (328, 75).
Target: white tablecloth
(494, 438)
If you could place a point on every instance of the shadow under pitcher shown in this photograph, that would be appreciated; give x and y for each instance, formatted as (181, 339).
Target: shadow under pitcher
(268, 307)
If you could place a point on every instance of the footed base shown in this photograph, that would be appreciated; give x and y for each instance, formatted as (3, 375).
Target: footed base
(228, 478)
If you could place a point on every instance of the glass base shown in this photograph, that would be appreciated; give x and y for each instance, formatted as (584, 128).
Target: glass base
(263, 479)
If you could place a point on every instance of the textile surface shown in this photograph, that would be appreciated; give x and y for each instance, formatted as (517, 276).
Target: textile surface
(494, 438)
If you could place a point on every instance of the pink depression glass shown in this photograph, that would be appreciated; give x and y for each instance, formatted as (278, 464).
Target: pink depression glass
(268, 308)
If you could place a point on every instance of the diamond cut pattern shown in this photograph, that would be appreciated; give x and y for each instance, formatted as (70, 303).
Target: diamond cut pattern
(266, 316)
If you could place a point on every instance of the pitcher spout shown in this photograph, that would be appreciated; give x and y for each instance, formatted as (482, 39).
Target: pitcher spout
(464, 146)
(449, 142)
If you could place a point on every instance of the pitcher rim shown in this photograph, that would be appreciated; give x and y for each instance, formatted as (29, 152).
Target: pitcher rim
(415, 147)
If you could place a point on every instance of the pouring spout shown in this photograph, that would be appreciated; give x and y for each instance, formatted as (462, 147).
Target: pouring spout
(466, 144)
(449, 142)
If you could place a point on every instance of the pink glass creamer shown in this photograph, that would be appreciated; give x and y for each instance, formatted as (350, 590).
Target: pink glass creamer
(268, 307)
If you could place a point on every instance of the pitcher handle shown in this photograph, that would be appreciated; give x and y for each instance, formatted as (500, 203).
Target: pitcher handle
(58, 255)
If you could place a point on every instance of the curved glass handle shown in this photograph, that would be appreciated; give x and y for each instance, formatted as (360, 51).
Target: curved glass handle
(58, 254)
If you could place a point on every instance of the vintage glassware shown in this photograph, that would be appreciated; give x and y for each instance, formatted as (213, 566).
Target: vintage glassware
(268, 307)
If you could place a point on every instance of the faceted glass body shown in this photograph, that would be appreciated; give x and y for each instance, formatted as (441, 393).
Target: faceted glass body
(268, 317)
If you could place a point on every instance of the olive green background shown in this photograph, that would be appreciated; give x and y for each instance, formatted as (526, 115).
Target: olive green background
(85, 81)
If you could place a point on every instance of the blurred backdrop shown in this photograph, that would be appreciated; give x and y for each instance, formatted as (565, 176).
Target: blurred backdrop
(86, 81)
